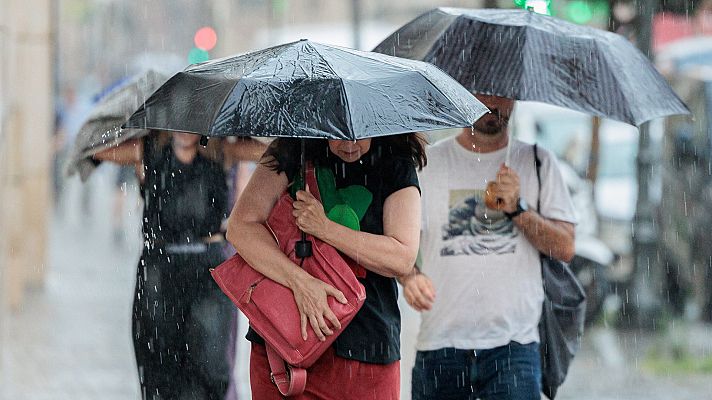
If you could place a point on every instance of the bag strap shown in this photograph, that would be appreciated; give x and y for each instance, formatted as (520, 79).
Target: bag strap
(537, 163)
(290, 380)
(312, 183)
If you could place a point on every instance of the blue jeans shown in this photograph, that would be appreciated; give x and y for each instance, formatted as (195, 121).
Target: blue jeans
(510, 372)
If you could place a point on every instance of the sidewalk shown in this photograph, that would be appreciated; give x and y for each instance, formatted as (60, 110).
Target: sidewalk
(72, 339)
(615, 366)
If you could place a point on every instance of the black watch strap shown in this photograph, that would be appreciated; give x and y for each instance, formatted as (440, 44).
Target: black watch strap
(521, 207)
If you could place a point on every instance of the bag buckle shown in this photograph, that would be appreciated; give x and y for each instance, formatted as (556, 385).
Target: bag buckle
(285, 375)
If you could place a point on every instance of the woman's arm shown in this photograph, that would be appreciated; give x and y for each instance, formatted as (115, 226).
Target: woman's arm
(129, 152)
(244, 149)
(392, 254)
(254, 243)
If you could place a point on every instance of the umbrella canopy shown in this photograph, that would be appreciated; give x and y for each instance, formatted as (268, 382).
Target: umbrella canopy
(523, 55)
(102, 128)
(309, 90)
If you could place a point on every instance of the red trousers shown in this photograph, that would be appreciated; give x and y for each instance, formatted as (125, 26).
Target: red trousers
(330, 378)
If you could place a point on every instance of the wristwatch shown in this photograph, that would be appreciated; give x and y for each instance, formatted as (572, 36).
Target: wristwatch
(521, 207)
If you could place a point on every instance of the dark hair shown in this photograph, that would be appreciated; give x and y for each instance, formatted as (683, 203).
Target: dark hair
(284, 154)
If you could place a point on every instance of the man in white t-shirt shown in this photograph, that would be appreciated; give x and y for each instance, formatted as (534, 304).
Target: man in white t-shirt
(479, 286)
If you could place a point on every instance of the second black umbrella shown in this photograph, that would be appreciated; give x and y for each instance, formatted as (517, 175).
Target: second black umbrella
(523, 55)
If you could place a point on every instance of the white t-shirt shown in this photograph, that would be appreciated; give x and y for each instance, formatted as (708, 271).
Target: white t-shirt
(487, 276)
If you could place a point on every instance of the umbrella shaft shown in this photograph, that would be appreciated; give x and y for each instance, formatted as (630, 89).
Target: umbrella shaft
(303, 248)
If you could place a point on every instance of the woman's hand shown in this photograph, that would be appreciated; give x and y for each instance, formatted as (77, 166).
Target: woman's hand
(311, 297)
(310, 216)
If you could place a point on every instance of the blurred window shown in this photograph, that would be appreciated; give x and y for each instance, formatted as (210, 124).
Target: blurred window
(617, 159)
(568, 137)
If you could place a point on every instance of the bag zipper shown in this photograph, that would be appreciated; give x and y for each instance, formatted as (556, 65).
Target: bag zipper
(249, 292)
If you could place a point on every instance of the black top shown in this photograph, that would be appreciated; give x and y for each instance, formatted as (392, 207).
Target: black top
(373, 335)
(182, 202)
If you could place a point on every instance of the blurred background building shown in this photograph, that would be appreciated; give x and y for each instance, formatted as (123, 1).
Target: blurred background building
(66, 277)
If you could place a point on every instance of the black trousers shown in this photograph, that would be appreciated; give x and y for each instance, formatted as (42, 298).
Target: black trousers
(181, 326)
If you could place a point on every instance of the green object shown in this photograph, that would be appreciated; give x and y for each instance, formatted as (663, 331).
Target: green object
(579, 11)
(537, 6)
(345, 215)
(279, 7)
(346, 206)
(197, 55)
(357, 197)
(327, 188)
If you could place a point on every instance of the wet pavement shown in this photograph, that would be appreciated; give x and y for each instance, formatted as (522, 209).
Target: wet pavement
(72, 339)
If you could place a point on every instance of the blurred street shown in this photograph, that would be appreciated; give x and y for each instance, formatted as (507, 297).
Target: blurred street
(72, 340)
(87, 295)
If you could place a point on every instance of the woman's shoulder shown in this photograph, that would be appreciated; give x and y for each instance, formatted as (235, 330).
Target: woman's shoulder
(398, 172)
(396, 164)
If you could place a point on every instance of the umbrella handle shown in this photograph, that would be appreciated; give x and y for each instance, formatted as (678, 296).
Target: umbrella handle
(303, 248)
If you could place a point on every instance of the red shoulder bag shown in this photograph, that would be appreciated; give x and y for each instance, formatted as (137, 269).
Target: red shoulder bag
(271, 308)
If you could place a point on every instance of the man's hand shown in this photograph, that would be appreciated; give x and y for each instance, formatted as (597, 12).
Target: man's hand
(418, 291)
(505, 189)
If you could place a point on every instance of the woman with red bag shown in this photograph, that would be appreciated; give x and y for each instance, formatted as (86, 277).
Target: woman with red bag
(371, 214)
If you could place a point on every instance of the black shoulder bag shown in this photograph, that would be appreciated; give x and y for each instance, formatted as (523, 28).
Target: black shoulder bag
(562, 317)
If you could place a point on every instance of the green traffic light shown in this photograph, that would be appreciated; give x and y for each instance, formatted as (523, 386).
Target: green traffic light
(579, 11)
(197, 55)
(537, 6)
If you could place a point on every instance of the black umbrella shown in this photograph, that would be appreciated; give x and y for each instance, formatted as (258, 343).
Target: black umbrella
(308, 90)
(523, 55)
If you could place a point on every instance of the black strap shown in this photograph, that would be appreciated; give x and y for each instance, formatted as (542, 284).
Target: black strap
(537, 163)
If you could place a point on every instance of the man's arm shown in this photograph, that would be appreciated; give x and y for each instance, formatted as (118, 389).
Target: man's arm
(551, 237)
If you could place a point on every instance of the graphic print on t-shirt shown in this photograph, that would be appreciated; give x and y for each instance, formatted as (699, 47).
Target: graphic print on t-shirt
(472, 228)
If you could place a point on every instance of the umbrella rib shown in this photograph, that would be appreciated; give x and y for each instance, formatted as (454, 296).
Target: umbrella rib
(399, 64)
(627, 115)
(228, 93)
(349, 123)
(453, 103)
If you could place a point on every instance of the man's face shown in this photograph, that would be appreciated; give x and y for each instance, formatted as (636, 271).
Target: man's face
(497, 119)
